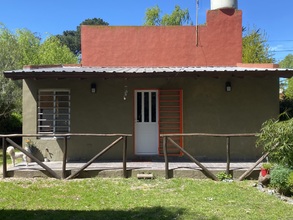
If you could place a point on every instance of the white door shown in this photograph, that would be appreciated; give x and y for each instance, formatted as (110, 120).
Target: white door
(146, 122)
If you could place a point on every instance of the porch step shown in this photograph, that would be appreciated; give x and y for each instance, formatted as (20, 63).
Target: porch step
(134, 170)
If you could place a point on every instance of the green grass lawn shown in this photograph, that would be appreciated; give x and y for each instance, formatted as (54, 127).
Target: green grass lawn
(102, 198)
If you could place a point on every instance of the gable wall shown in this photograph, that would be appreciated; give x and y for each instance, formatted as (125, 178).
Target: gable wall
(219, 43)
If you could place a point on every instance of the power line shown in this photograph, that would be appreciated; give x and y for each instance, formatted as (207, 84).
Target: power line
(285, 50)
(280, 40)
(281, 51)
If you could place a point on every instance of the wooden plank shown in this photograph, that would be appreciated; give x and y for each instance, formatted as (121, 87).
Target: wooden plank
(55, 175)
(244, 175)
(228, 155)
(209, 135)
(64, 158)
(64, 135)
(4, 147)
(205, 170)
(125, 157)
(166, 157)
(94, 158)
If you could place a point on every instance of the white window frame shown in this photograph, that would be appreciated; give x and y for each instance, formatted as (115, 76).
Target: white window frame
(54, 121)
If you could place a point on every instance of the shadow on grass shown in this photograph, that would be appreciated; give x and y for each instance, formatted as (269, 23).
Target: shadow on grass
(137, 213)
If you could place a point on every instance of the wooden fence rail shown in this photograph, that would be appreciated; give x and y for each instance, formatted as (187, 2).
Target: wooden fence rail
(168, 137)
(6, 139)
(123, 137)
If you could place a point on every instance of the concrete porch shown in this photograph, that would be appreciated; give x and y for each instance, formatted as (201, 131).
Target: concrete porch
(134, 169)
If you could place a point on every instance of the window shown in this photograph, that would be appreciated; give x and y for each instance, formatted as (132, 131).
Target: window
(53, 111)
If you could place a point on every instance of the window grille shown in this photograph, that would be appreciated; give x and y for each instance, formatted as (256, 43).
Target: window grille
(53, 111)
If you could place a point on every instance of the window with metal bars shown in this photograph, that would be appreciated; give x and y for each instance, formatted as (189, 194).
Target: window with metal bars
(53, 111)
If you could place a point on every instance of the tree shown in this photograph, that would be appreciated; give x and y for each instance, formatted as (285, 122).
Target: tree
(52, 51)
(255, 48)
(177, 17)
(9, 58)
(287, 62)
(24, 48)
(28, 44)
(71, 38)
(287, 87)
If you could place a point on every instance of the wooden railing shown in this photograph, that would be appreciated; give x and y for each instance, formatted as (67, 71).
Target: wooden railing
(208, 173)
(121, 137)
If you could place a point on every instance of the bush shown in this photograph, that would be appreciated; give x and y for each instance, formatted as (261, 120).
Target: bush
(12, 124)
(224, 176)
(286, 109)
(280, 179)
(290, 182)
(277, 138)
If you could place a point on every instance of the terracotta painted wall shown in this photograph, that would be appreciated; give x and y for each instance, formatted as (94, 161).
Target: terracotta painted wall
(219, 43)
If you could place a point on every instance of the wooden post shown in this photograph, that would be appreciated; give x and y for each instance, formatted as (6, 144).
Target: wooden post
(64, 158)
(4, 158)
(228, 155)
(125, 156)
(165, 151)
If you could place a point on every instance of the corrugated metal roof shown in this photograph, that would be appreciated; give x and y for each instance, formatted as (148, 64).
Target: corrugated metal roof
(108, 72)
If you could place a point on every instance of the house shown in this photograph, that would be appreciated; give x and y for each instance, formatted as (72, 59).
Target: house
(148, 81)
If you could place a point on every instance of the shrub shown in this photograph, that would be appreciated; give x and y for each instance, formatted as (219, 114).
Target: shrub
(290, 182)
(12, 124)
(267, 166)
(286, 109)
(224, 176)
(277, 138)
(279, 179)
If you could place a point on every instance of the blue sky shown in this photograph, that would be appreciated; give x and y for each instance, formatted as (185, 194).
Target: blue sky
(55, 16)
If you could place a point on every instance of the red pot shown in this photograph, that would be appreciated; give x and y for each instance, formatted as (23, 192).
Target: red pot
(264, 172)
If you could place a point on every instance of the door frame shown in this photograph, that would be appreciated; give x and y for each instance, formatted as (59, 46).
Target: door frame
(135, 122)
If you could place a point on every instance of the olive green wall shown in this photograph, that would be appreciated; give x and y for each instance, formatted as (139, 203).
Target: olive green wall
(207, 108)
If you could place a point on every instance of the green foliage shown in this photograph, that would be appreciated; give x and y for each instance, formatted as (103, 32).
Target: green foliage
(52, 51)
(255, 48)
(286, 109)
(279, 179)
(290, 182)
(267, 165)
(10, 98)
(28, 46)
(71, 38)
(224, 176)
(177, 17)
(152, 16)
(9, 54)
(276, 137)
(289, 89)
(287, 63)
(16, 50)
(13, 123)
